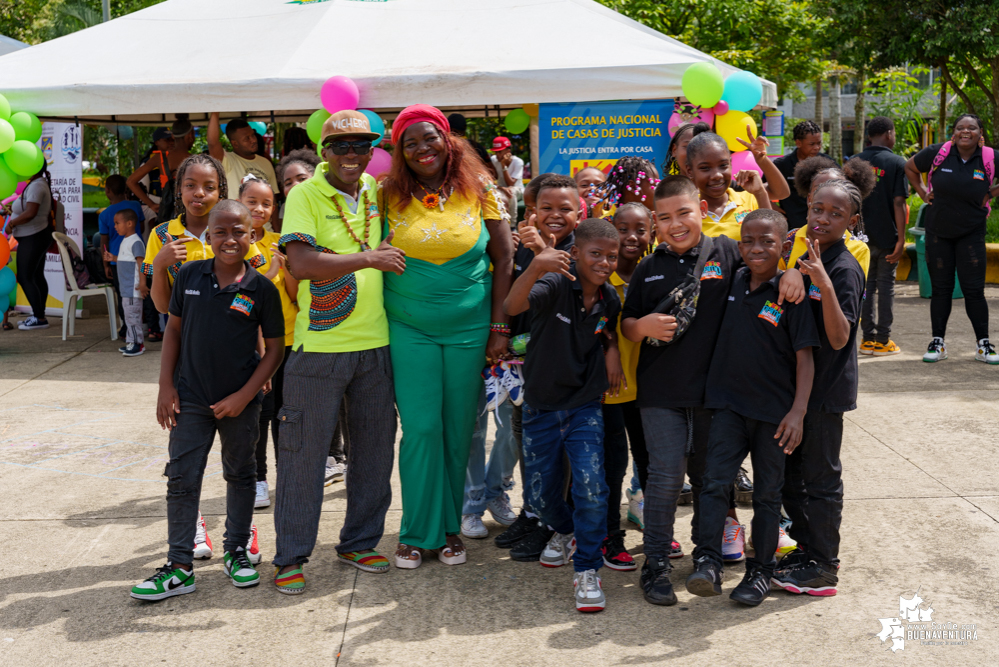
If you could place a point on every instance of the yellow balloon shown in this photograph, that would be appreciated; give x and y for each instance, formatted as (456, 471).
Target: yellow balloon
(733, 124)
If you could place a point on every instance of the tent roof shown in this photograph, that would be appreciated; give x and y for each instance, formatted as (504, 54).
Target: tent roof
(272, 56)
(8, 44)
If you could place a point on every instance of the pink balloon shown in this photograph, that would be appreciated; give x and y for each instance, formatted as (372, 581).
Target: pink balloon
(744, 160)
(381, 162)
(721, 108)
(688, 116)
(20, 188)
(339, 93)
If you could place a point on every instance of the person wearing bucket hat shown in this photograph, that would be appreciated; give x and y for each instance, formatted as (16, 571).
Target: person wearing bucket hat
(332, 235)
(446, 320)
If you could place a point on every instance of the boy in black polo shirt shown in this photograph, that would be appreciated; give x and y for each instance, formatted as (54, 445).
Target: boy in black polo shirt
(672, 377)
(573, 313)
(813, 475)
(884, 222)
(758, 386)
(210, 381)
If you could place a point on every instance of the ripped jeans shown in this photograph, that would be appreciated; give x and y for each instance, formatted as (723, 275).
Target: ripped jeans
(190, 441)
(485, 481)
(579, 433)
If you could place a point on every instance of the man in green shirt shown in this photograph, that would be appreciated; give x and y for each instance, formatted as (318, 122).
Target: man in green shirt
(333, 238)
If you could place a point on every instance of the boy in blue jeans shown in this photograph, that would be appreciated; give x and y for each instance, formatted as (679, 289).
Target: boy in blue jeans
(573, 318)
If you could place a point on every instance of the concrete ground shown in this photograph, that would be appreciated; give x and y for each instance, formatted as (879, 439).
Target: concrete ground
(83, 518)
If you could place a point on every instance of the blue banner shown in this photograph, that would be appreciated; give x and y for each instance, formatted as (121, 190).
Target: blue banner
(595, 134)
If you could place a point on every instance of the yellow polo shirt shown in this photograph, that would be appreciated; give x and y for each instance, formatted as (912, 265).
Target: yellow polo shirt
(729, 223)
(346, 314)
(197, 249)
(629, 353)
(289, 309)
(857, 248)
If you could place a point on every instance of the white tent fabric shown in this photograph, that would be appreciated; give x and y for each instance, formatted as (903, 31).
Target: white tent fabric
(8, 44)
(264, 56)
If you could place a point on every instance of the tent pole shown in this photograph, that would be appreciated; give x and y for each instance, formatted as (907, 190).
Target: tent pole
(535, 147)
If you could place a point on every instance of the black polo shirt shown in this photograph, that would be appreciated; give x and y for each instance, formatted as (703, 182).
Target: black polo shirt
(879, 207)
(959, 188)
(218, 335)
(795, 206)
(565, 367)
(522, 258)
(835, 386)
(675, 375)
(753, 369)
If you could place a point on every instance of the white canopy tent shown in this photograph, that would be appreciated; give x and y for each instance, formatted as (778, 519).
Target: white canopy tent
(270, 57)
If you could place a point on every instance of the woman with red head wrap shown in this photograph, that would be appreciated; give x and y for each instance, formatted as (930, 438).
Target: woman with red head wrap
(446, 319)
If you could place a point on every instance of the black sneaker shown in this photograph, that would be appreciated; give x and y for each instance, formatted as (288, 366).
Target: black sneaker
(686, 495)
(753, 589)
(706, 579)
(123, 348)
(743, 487)
(518, 530)
(814, 578)
(794, 559)
(656, 586)
(530, 547)
(134, 349)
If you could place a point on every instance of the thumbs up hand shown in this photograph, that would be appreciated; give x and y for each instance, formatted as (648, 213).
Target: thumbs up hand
(387, 258)
(552, 260)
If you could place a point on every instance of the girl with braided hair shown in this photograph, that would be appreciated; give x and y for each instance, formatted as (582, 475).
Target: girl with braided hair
(631, 179)
(676, 156)
(813, 472)
(808, 176)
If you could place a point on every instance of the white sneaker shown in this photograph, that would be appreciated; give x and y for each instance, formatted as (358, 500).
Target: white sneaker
(936, 351)
(559, 550)
(334, 471)
(263, 498)
(785, 544)
(512, 382)
(202, 543)
(253, 547)
(499, 508)
(33, 322)
(589, 591)
(987, 352)
(734, 542)
(472, 526)
(636, 508)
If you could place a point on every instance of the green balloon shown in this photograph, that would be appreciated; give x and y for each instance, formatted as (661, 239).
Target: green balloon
(703, 85)
(517, 121)
(4, 108)
(24, 158)
(8, 180)
(7, 136)
(26, 126)
(314, 127)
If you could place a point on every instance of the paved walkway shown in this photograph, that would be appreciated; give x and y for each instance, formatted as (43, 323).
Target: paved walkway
(83, 518)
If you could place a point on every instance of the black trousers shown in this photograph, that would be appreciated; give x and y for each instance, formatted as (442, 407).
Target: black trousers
(622, 422)
(733, 437)
(31, 251)
(268, 411)
(966, 255)
(813, 487)
(696, 463)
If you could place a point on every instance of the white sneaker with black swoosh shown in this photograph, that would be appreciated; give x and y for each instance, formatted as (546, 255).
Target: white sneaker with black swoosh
(167, 582)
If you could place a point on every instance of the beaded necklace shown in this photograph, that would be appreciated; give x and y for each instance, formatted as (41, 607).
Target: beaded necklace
(362, 206)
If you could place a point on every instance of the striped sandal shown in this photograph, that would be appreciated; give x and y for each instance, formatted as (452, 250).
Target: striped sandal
(369, 561)
(291, 582)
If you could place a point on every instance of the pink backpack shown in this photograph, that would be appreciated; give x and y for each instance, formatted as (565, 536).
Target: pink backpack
(988, 157)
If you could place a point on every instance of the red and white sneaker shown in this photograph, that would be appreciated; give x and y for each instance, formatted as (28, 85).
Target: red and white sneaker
(616, 557)
(588, 591)
(252, 548)
(675, 550)
(202, 543)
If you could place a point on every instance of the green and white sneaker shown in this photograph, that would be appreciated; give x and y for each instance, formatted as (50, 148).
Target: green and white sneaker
(167, 582)
(239, 568)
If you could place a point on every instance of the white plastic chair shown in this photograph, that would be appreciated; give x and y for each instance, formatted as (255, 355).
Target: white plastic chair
(74, 291)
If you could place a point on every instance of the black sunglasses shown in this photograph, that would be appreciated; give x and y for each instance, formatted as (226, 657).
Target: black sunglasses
(343, 147)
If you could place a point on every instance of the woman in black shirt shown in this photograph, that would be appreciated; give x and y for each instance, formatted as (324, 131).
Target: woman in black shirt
(957, 207)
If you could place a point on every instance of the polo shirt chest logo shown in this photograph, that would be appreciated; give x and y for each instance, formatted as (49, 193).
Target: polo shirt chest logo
(814, 293)
(979, 175)
(771, 312)
(712, 271)
(601, 324)
(740, 215)
(242, 303)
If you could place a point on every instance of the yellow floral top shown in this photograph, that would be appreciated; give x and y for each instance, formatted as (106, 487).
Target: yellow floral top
(436, 235)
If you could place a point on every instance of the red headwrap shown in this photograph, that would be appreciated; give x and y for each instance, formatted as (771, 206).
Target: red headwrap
(419, 113)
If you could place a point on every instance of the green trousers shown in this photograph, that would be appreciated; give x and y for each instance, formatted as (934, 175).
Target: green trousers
(438, 328)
